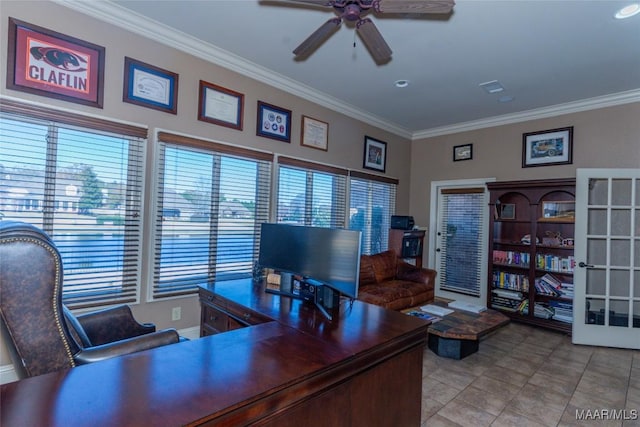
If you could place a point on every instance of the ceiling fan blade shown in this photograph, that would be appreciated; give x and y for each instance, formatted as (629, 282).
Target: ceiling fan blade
(413, 6)
(371, 37)
(313, 2)
(317, 38)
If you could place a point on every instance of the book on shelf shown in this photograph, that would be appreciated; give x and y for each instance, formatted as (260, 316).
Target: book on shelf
(555, 263)
(516, 282)
(504, 293)
(520, 259)
(539, 310)
(551, 285)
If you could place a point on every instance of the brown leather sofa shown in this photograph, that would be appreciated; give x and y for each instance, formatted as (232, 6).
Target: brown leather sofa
(389, 282)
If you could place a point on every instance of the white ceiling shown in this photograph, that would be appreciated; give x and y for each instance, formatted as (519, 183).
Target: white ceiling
(550, 56)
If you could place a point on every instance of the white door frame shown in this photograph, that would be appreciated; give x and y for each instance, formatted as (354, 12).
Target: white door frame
(436, 186)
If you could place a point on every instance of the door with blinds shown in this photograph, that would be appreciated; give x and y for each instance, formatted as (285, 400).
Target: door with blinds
(460, 242)
(607, 251)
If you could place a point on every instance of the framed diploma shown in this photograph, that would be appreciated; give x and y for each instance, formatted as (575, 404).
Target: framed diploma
(314, 133)
(150, 86)
(220, 106)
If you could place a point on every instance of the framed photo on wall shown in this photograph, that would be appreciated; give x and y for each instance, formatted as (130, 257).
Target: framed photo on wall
(273, 122)
(47, 63)
(149, 86)
(375, 154)
(220, 106)
(549, 147)
(462, 152)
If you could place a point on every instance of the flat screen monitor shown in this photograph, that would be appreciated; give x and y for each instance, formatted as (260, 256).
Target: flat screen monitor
(330, 256)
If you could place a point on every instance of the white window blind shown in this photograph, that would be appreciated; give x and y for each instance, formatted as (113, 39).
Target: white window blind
(211, 200)
(311, 194)
(80, 180)
(460, 240)
(372, 202)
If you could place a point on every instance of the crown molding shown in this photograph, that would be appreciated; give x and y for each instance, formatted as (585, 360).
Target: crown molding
(114, 14)
(610, 100)
(119, 16)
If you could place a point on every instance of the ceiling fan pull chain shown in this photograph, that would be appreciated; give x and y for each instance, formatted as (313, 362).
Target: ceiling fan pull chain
(354, 40)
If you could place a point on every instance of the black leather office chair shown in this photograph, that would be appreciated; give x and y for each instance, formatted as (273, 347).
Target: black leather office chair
(41, 333)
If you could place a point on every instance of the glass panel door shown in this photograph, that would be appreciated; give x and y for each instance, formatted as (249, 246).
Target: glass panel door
(607, 291)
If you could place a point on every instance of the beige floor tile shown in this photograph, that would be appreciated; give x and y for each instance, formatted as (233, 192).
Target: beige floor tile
(453, 378)
(555, 383)
(465, 414)
(539, 404)
(524, 366)
(438, 391)
(511, 419)
(581, 400)
(487, 401)
(507, 375)
(430, 407)
(440, 421)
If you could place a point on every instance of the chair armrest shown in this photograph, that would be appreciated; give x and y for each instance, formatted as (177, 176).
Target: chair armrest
(128, 346)
(412, 273)
(113, 324)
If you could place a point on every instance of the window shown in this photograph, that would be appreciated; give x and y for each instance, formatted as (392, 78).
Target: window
(80, 180)
(311, 194)
(373, 201)
(211, 200)
(461, 233)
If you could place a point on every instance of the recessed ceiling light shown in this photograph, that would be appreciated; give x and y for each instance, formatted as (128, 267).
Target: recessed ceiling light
(505, 98)
(493, 86)
(402, 83)
(628, 11)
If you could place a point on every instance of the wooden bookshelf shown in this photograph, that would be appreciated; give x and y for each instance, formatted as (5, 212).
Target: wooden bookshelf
(531, 253)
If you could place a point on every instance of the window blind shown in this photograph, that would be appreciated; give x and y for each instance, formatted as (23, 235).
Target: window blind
(311, 194)
(80, 180)
(460, 237)
(372, 202)
(211, 200)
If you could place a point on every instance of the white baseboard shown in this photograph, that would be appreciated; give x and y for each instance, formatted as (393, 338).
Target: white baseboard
(8, 373)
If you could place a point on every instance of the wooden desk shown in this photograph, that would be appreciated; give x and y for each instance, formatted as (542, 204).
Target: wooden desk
(298, 369)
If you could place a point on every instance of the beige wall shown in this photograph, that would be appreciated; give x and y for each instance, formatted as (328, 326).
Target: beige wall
(603, 138)
(346, 135)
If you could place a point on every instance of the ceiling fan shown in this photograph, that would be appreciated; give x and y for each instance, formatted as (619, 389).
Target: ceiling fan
(355, 11)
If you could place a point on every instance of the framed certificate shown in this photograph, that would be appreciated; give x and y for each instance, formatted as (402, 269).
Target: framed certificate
(220, 106)
(314, 133)
(150, 86)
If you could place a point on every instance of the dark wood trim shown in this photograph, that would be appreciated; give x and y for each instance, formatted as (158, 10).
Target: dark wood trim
(45, 113)
(372, 177)
(215, 146)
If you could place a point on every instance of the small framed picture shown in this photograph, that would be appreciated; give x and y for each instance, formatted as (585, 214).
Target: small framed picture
(314, 134)
(47, 63)
(462, 152)
(220, 106)
(150, 86)
(375, 154)
(549, 147)
(507, 211)
(273, 122)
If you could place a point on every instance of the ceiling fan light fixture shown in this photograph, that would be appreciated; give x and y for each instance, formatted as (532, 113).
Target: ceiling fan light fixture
(628, 11)
(401, 83)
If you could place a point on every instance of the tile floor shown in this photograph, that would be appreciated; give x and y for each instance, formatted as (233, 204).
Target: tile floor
(526, 376)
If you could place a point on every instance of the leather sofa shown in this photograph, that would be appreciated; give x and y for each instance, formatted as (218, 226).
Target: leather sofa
(389, 282)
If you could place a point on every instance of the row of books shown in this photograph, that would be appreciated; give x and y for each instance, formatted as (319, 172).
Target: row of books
(557, 310)
(520, 259)
(562, 311)
(506, 299)
(555, 263)
(516, 282)
(553, 286)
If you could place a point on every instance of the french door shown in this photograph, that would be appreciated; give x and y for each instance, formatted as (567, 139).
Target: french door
(607, 251)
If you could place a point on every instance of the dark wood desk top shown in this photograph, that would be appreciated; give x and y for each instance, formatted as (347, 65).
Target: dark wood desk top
(222, 378)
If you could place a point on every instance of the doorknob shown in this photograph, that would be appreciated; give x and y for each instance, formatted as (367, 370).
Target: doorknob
(583, 265)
